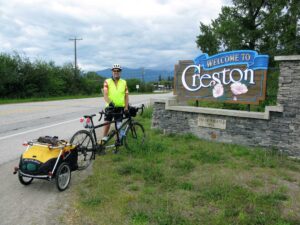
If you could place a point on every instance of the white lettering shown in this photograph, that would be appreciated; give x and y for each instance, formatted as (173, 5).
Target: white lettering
(224, 76)
(216, 77)
(236, 58)
(231, 77)
(207, 80)
(247, 57)
(183, 77)
(205, 77)
(209, 63)
(226, 59)
(251, 75)
(194, 79)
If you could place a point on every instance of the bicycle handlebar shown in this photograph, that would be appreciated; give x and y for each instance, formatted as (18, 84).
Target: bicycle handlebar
(121, 113)
(101, 114)
(142, 108)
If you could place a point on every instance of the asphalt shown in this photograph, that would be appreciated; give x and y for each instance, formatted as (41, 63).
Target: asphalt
(40, 203)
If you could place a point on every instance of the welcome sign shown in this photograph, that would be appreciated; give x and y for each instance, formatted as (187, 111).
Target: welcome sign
(235, 77)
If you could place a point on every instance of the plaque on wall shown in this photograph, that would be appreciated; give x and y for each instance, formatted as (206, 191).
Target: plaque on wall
(207, 121)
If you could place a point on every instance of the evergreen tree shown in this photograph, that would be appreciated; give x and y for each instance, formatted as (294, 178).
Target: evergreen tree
(267, 26)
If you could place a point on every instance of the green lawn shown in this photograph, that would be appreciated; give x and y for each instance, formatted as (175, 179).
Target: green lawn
(180, 179)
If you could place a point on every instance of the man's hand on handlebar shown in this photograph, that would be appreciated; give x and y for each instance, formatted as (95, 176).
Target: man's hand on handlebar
(126, 112)
(111, 104)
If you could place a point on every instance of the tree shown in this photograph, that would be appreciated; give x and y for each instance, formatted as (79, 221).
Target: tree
(92, 82)
(267, 26)
(207, 40)
(159, 77)
(131, 84)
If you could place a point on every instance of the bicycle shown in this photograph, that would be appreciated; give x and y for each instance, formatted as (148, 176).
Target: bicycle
(129, 134)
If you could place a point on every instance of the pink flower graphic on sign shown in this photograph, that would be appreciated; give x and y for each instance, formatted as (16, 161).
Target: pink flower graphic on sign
(238, 88)
(218, 90)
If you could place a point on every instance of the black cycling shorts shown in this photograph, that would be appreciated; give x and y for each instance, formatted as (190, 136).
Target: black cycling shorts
(116, 113)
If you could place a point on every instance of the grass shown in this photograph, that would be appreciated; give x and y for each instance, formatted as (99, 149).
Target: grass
(41, 99)
(180, 179)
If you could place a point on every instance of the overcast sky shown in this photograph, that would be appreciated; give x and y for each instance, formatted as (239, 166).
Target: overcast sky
(133, 33)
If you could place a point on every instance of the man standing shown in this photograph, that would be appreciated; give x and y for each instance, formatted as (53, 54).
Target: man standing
(115, 95)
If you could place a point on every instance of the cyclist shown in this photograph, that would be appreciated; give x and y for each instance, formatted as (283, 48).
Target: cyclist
(116, 97)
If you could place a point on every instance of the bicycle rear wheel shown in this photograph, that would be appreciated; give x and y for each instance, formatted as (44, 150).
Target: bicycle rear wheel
(134, 136)
(86, 148)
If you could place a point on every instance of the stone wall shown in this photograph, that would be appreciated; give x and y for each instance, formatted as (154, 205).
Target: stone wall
(278, 127)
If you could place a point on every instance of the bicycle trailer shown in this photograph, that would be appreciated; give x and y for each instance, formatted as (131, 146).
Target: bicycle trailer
(47, 158)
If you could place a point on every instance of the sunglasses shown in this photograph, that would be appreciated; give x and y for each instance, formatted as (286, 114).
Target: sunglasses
(116, 71)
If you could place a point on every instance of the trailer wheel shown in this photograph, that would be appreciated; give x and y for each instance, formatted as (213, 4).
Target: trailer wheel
(24, 180)
(63, 176)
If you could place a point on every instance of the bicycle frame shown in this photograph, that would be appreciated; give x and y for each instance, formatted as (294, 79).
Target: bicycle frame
(88, 144)
(125, 125)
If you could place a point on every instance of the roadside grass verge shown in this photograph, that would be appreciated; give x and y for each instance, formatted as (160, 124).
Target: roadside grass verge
(42, 99)
(180, 179)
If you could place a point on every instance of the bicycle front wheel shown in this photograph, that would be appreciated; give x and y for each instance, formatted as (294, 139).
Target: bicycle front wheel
(134, 136)
(86, 148)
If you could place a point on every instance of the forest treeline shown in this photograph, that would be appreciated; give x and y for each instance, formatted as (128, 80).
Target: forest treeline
(21, 78)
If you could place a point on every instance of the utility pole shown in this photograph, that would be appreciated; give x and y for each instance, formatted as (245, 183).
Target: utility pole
(143, 74)
(75, 52)
(297, 43)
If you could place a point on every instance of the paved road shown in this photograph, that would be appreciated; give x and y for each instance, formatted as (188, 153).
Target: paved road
(40, 203)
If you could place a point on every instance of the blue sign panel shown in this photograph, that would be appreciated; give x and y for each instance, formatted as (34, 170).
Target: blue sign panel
(241, 57)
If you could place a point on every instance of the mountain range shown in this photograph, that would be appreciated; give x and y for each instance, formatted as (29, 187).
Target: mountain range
(147, 75)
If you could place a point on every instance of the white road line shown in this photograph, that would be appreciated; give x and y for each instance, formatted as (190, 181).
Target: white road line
(53, 125)
(40, 128)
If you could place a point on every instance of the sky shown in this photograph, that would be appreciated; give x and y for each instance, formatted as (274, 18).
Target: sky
(134, 33)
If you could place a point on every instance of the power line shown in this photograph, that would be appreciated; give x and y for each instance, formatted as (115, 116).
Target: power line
(75, 52)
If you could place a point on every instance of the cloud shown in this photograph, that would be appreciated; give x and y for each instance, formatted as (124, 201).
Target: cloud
(148, 33)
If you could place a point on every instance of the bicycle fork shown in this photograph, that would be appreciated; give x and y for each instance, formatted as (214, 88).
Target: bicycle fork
(132, 131)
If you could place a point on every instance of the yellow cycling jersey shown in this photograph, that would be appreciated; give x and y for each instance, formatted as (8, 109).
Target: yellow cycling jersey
(116, 93)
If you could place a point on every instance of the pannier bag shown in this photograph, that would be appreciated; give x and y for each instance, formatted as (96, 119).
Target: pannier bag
(132, 111)
(41, 156)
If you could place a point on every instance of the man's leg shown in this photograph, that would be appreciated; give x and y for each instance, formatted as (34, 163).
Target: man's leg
(106, 128)
(119, 118)
(107, 119)
(104, 138)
